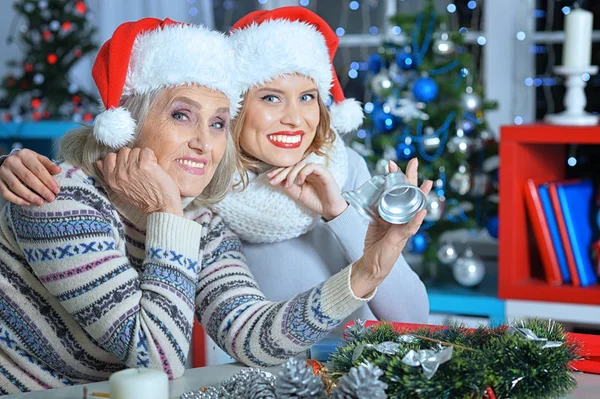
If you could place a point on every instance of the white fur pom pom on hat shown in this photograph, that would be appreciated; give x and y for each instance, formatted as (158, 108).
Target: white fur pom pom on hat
(346, 115)
(114, 120)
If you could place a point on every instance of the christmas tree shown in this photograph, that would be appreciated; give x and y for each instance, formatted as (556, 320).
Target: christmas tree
(54, 35)
(425, 102)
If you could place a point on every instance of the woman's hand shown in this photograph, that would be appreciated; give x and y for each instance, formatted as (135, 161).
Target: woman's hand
(313, 186)
(385, 242)
(26, 178)
(137, 178)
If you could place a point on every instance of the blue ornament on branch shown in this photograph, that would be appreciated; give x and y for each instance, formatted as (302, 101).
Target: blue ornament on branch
(492, 226)
(418, 243)
(375, 63)
(383, 121)
(405, 151)
(425, 89)
(405, 61)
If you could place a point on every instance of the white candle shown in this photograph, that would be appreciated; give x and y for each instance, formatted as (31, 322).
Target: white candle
(578, 44)
(139, 383)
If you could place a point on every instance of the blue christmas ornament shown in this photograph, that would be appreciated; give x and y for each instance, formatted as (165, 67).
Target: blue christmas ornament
(425, 89)
(383, 121)
(405, 61)
(375, 63)
(405, 151)
(418, 243)
(492, 226)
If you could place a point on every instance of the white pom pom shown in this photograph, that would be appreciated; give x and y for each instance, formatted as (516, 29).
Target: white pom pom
(346, 116)
(114, 127)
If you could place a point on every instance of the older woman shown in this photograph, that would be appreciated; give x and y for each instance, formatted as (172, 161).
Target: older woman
(110, 273)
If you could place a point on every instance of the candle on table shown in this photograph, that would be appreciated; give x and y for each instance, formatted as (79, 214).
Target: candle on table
(139, 383)
(577, 51)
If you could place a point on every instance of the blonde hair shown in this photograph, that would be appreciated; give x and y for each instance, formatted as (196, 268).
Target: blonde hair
(80, 148)
(323, 140)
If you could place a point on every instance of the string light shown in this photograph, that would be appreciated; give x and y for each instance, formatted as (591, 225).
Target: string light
(518, 120)
(572, 161)
(521, 35)
(352, 73)
(463, 30)
(472, 4)
(373, 30)
(369, 107)
(566, 10)
(361, 134)
(354, 65)
(354, 5)
(304, 3)
(585, 77)
(451, 8)
(481, 40)
(529, 82)
(339, 31)
(193, 11)
(539, 13)
(396, 30)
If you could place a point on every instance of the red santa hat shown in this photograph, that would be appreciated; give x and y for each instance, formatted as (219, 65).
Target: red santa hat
(149, 54)
(271, 43)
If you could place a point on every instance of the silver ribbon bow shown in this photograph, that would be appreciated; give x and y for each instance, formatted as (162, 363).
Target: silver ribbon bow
(428, 359)
(529, 335)
(388, 348)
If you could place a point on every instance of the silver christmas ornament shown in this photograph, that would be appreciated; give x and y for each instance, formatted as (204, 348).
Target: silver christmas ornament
(461, 144)
(447, 254)
(361, 382)
(250, 383)
(435, 207)
(442, 44)
(38, 79)
(460, 182)
(471, 102)
(381, 82)
(392, 197)
(54, 25)
(296, 380)
(468, 270)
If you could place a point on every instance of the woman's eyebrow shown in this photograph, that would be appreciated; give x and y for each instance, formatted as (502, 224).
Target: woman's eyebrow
(188, 101)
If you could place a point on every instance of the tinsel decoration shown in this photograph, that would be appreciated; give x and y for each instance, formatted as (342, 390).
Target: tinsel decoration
(361, 382)
(296, 380)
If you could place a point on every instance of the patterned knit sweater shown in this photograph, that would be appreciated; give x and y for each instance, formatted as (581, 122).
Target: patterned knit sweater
(89, 286)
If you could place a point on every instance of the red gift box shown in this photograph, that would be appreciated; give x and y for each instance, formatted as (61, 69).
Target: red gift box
(590, 344)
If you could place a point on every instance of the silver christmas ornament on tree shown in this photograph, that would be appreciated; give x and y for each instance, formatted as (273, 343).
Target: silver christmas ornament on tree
(430, 141)
(468, 270)
(361, 382)
(471, 102)
(442, 44)
(296, 380)
(460, 181)
(447, 254)
(381, 82)
(435, 206)
(461, 144)
(396, 36)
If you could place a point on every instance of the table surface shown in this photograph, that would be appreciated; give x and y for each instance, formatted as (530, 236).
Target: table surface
(193, 379)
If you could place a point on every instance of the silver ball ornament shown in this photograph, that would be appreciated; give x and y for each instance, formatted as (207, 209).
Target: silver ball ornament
(468, 270)
(447, 254)
(471, 102)
(435, 207)
(461, 144)
(460, 181)
(381, 82)
(443, 45)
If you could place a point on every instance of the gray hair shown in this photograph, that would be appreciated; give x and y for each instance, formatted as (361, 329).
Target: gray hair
(80, 148)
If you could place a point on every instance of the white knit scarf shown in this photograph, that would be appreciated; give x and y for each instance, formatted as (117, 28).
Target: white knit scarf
(262, 213)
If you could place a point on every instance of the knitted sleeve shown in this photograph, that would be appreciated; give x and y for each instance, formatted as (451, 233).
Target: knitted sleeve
(140, 313)
(236, 315)
(402, 296)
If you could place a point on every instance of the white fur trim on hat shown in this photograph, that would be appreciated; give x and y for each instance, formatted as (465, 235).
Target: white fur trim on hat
(183, 54)
(114, 127)
(346, 116)
(278, 47)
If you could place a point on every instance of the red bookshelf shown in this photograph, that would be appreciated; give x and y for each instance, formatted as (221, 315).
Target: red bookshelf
(538, 152)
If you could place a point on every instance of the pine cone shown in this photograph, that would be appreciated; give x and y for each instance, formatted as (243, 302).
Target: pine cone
(296, 380)
(259, 388)
(361, 382)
